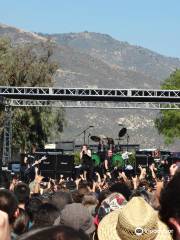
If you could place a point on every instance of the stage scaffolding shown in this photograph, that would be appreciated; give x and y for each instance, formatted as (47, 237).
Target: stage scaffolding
(87, 94)
(92, 104)
(81, 98)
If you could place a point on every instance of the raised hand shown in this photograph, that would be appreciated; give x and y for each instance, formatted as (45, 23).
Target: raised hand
(173, 168)
(135, 181)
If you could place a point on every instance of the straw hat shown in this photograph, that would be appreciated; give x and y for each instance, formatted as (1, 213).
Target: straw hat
(137, 220)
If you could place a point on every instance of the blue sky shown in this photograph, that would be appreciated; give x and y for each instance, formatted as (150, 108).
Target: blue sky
(154, 24)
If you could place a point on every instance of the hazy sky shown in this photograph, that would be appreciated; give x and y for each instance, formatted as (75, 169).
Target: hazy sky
(154, 24)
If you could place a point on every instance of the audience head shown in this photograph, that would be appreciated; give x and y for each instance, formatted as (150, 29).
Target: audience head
(113, 202)
(60, 199)
(170, 204)
(77, 216)
(9, 204)
(90, 202)
(55, 233)
(141, 193)
(21, 224)
(46, 215)
(22, 192)
(78, 195)
(33, 206)
(121, 188)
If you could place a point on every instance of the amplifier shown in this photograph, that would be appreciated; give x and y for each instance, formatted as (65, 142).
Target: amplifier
(48, 164)
(141, 159)
(56, 164)
(14, 167)
(65, 163)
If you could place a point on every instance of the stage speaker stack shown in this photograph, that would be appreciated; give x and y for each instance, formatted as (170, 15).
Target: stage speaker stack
(141, 159)
(65, 165)
(56, 164)
(47, 167)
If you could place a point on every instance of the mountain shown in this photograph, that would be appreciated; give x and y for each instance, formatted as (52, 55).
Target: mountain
(97, 60)
(133, 61)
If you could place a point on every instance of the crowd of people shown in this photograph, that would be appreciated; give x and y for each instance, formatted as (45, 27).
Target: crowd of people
(113, 204)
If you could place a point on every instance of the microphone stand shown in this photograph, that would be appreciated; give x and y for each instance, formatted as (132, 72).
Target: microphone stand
(127, 142)
(88, 138)
(84, 133)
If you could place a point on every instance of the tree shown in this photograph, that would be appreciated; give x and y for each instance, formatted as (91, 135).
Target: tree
(168, 121)
(30, 65)
(27, 65)
(33, 125)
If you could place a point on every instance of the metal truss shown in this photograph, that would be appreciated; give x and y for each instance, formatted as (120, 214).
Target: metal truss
(92, 104)
(7, 138)
(87, 94)
(81, 98)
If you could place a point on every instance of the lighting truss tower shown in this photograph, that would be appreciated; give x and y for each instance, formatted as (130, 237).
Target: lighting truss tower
(7, 138)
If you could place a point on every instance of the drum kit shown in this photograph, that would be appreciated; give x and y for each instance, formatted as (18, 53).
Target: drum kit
(121, 134)
(117, 157)
(99, 138)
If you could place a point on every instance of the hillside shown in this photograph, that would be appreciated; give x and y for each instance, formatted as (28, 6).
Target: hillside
(97, 60)
(121, 56)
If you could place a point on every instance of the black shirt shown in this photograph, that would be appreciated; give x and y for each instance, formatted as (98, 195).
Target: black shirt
(86, 159)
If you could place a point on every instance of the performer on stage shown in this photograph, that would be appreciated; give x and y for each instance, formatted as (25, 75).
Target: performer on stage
(102, 150)
(111, 145)
(108, 161)
(30, 164)
(87, 163)
(28, 168)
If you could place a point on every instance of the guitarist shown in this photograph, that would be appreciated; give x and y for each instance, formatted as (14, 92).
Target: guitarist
(31, 164)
